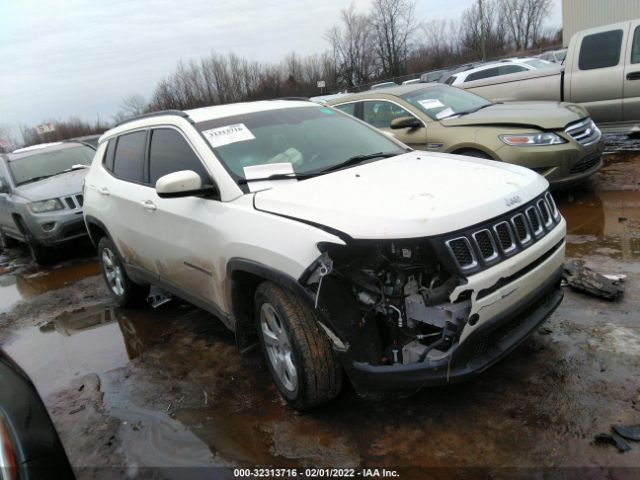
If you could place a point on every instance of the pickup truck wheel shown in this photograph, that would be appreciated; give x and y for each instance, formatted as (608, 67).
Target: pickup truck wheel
(299, 356)
(126, 292)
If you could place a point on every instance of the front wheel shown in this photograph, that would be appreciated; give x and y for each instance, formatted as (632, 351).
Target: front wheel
(126, 292)
(299, 356)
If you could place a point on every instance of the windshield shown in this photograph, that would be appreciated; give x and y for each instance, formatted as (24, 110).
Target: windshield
(442, 101)
(37, 165)
(539, 64)
(561, 55)
(305, 140)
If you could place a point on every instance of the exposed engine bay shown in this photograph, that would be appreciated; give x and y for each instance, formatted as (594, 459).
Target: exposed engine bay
(389, 300)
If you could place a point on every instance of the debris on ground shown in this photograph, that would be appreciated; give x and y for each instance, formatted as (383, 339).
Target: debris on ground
(586, 280)
(630, 432)
(76, 410)
(612, 439)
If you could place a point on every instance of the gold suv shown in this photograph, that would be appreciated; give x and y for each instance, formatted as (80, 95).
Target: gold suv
(557, 140)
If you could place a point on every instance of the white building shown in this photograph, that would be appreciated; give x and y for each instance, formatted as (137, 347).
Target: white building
(581, 14)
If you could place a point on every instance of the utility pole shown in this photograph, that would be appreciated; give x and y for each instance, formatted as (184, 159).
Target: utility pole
(484, 53)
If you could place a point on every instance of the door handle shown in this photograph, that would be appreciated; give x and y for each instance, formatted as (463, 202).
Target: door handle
(149, 205)
(633, 76)
(104, 191)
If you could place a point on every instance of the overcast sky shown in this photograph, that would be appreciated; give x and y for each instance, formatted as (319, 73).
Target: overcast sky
(80, 57)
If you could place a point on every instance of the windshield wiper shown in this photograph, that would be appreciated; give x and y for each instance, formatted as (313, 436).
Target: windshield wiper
(34, 179)
(359, 159)
(278, 176)
(467, 112)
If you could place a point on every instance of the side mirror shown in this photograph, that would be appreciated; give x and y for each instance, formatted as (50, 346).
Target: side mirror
(185, 183)
(405, 122)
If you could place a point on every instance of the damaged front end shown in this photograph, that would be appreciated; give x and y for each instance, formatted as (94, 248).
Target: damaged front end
(388, 302)
(403, 314)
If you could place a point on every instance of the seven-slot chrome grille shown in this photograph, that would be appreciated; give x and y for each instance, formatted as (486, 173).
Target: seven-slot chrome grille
(584, 132)
(489, 243)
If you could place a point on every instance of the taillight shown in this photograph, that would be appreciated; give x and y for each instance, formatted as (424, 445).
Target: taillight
(8, 464)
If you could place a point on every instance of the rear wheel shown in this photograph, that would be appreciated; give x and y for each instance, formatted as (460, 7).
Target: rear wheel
(299, 356)
(126, 292)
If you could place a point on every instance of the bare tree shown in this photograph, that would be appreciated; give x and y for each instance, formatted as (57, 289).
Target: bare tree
(394, 25)
(524, 20)
(353, 48)
(133, 105)
(495, 30)
(8, 141)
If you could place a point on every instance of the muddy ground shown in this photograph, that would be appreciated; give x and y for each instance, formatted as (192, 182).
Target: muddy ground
(148, 393)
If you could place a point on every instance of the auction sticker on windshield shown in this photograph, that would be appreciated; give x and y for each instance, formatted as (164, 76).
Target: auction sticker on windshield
(217, 137)
(430, 103)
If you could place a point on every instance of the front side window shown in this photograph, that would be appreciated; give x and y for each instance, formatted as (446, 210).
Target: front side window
(441, 101)
(108, 156)
(129, 157)
(31, 167)
(600, 50)
(635, 48)
(380, 114)
(169, 152)
(310, 139)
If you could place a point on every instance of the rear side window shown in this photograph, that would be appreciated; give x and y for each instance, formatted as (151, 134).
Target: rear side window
(506, 69)
(108, 156)
(600, 50)
(635, 49)
(169, 152)
(129, 158)
(349, 108)
(489, 72)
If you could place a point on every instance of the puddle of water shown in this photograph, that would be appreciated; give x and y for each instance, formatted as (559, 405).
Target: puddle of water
(94, 340)
(602, 223)
(21, 284)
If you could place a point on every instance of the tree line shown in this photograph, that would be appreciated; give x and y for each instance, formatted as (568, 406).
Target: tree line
(388, 42)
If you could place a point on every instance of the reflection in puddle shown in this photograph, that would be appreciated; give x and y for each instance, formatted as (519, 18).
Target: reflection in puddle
(94, 340)
(29, 282)
(602, 223)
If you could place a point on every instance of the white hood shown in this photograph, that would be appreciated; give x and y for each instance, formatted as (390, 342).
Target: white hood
(416, 194)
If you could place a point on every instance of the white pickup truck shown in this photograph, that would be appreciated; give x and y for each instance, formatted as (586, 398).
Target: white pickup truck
(601, 72)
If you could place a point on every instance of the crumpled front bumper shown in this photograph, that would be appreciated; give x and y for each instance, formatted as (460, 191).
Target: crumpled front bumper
(486, 345)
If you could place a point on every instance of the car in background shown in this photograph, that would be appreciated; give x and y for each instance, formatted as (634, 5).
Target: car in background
(322, 99)
(335, 247)
(41, 196)
(29, 444)
(495, 69)
(433, 76)
(412, 81)
(557, 140)
(91, 140)
(378, 86)
(555, 56)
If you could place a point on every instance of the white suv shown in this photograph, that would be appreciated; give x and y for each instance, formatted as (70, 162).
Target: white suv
(338, 248)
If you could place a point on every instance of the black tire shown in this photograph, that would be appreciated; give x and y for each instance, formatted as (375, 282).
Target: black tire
(318, 372)
(6, 242)
(42, 255)
(475, 153)
(122, 288)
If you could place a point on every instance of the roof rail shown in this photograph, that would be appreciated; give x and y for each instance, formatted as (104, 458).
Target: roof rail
(159, 113)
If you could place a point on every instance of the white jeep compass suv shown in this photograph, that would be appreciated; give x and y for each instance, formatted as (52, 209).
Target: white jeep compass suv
(336, 247)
